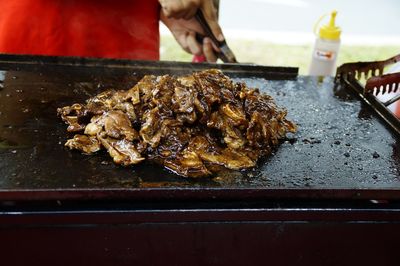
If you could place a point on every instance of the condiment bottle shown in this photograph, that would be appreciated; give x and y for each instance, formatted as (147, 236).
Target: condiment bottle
(326, 48)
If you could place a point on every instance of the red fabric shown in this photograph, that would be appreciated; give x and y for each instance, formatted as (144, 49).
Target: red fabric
(397, 110)
(91, 28)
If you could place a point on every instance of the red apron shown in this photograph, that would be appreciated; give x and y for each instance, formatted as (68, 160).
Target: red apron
(90, 28)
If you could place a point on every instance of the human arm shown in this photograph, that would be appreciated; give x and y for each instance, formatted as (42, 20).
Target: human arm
(178, 16)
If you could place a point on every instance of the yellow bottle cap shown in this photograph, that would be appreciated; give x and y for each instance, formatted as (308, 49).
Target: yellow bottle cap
(330, 31)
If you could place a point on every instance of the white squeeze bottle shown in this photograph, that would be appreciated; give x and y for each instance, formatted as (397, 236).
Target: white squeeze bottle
(326, 49)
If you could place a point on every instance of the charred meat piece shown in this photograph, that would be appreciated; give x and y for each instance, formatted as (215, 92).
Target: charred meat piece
(193, 125)
(71, 115)
(183, 104)
(187, 163)
(150, 131)
(95, 126)
(122, 151)
(117, 125)
(127, 108)
(87, 144)
(211, 153)
(267, 121)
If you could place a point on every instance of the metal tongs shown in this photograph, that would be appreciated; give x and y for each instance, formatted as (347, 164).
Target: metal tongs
(226, 54)
(373, 73)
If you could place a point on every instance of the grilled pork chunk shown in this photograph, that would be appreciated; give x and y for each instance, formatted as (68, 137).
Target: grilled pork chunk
(188, 124)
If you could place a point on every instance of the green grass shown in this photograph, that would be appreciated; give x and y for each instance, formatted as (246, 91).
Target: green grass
(265, 53)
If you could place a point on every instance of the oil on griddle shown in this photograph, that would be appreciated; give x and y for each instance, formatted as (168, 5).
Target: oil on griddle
(193, 125)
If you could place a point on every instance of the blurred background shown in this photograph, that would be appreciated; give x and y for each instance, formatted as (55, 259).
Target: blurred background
(280, 32)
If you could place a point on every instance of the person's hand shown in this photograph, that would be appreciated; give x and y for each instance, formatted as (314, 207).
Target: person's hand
(178, 16)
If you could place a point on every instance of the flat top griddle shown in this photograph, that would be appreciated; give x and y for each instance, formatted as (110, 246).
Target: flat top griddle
(342, 150)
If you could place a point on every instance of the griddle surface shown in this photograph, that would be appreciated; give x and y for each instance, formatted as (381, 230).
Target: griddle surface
(341, 150)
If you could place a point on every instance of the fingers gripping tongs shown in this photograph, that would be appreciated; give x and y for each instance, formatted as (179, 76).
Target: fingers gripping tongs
(226, 54)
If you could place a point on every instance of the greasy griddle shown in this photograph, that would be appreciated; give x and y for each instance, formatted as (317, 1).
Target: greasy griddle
(342, 150)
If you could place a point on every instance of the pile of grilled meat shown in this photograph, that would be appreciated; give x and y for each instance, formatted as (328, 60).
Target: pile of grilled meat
(193, 125)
